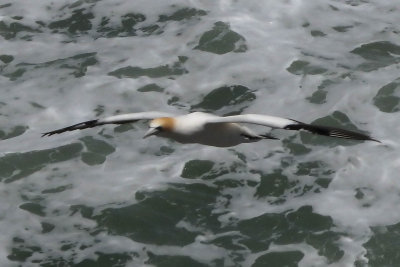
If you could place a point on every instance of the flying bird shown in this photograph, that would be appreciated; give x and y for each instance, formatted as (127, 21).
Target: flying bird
(208, 129)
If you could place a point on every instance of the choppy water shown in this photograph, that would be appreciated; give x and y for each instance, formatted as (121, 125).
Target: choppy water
(106, 197)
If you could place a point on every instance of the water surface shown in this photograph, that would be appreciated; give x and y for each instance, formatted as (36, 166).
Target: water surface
(106, 197)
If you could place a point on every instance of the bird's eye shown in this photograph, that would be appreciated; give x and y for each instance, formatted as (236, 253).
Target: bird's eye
(159, 128)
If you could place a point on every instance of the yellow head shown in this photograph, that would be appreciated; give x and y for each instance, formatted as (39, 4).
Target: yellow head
(159, 125)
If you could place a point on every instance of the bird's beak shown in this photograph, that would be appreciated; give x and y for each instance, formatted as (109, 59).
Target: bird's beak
(151, 131)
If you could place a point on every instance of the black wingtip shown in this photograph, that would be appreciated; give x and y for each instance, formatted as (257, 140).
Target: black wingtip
(79, 126)
(375, 140)
(267, 136)
(46, 134)
(331, 131)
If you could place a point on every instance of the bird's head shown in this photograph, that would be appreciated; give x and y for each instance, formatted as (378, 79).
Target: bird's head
(160, 125)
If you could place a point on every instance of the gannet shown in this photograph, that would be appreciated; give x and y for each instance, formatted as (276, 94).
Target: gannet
(208, 129)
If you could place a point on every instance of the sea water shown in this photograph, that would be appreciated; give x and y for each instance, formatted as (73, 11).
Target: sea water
(107, 197)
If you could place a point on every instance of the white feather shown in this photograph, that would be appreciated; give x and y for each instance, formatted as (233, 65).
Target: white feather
(135, 116)
(265, 120)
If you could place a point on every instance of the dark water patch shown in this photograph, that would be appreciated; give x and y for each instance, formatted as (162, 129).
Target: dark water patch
(13, 74)
(11, 30)
(231, 183)
(178, 103)
(364, 196)
(319, 96)
(185, 13)
(33, 208)
(296, 149)
(172, 261)
(5, 5)
(327, 244)
(85, 211)
(314, 168)
(102, 260)
(322, 182)
(21, 254)
(309, 221)
(175, 101)
(336, 119)
(317, 33)
(279, 259)
(57, 189)
(388, 97)
(196, 168)
(164, 151)
(36, 105)
(78, 22)
(382, 248)
(229, 100)
(152, 87)
(301, 67)
(40, 23)
(168, 71)
(99, 110)
(106, 260)
(76, 65)
(132, 23)
(6, 58)
(51, 262)
(235, 251)
(207, 170)
(97, 150)
(377, 55)
(154, 218)
(229, 242)
(260, 231)
(317, 169)
(78, 19)
(15, 166)
(221, 40)
(97, 146)
(47, 227)
(15, 131)
(342, 28)
(92, 159)
(17, 17)
(313, 229)
(129, 20)
(126, 28)
(151, 30)
(123, 128)
(292, 227)
(275, 185)
(21, 250)
(68, 245)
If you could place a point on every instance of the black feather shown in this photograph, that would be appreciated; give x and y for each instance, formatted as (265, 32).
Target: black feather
(258, 137)
(330, 131)
(79, 126)
(267, 136)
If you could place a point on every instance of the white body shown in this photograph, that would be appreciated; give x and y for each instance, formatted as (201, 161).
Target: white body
(195, 128)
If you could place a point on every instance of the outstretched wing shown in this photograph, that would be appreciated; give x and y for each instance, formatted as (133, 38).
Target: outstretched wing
(288, 124)
(117, 119)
